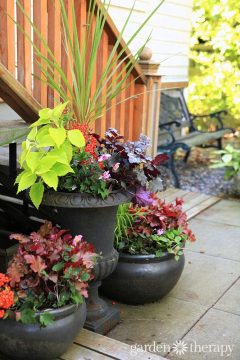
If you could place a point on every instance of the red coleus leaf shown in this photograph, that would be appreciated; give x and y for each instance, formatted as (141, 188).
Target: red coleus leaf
(45, 229)
(20, 237)
(62, 232)
(169, 212)
(54, 257)
(36, 263)
(15, 272)
(82, 288)
(179, 201)
(160, 159)
(38, 249)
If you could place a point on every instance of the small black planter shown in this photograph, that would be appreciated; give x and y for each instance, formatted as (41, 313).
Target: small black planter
(7, 249)
(140, 279)
(95, 219)
(32, 342)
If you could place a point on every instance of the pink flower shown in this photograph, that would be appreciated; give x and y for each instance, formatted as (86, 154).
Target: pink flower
(105, 176)
(160, 231)
(104, 157)
(116, 167)
(76, 240)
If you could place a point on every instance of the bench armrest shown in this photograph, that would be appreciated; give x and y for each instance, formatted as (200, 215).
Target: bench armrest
(170, 123)
(168, 127)
(173, 147)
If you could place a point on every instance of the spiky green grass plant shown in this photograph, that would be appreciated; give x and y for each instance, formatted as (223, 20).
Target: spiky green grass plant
(87, 105)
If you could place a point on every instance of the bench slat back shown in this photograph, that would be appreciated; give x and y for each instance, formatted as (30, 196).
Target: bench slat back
(174, 107)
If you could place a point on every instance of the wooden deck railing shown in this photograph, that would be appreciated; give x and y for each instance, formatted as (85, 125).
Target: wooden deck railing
(16, 55)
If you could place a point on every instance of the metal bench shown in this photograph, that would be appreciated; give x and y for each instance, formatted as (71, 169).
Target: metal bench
(179, 129)
(12, 132)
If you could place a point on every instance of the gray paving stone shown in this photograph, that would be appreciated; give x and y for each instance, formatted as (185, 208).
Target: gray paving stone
(216, 328)
(230, 302)
(205, 278)
(224, 212)
(219, 240)
(156, 323)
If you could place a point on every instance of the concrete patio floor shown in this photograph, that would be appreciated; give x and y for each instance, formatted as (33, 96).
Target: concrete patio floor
(203, 310)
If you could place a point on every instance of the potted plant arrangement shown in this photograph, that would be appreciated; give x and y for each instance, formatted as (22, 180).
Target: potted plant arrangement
(42, 306)
(90, 175)
(150, 240)
(84, 178)
(230, 160)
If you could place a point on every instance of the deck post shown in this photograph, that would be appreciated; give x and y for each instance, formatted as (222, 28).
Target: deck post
(151, 117)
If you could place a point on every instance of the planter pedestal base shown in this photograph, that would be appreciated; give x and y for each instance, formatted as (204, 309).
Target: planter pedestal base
(101, 317)
(104, 325)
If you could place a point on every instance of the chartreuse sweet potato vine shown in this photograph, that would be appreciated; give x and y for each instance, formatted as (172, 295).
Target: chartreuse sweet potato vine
(47, 152)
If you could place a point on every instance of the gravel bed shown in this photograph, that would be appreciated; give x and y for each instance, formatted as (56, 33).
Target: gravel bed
(197, 175)
(201, 178)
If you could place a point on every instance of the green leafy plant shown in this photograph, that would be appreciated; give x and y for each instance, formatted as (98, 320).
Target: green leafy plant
(215, 59)
(158, 228)
(58, 155)
(230, 159)
(87, 104)
(47, 152)
(50, 270)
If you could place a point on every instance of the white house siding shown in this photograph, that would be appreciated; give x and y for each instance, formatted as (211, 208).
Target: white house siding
(171, 29)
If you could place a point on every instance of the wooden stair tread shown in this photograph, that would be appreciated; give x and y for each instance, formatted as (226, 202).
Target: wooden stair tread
(194, 203)
(92, 346)
(12, 131)
(17, 97)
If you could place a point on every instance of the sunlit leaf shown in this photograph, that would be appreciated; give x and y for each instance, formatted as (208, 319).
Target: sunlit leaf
(36, 193)
(58, 135)
(76, 138)
(51, 179)
(26, 180)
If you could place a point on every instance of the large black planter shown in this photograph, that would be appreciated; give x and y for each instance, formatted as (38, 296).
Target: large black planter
(140, 279)
(95, 219)
(32, 342)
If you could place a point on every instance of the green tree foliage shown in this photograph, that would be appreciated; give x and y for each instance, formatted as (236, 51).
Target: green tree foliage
(215, 59)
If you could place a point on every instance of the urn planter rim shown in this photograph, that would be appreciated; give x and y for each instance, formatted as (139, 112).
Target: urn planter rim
(58, 313)
(61, 312)
(84, 200)
(144, 258)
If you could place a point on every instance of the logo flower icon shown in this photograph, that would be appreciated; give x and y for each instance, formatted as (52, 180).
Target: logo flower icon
(180, 347)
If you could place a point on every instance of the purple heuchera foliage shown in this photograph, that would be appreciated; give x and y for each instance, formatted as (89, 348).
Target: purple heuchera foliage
(136, 150)
(111, 132)
(137, 170)
(143, 197)
(144, 140)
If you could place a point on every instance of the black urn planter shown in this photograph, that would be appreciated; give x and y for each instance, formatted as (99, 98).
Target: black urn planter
(95, 219)
(141, 279)
(30, 341)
